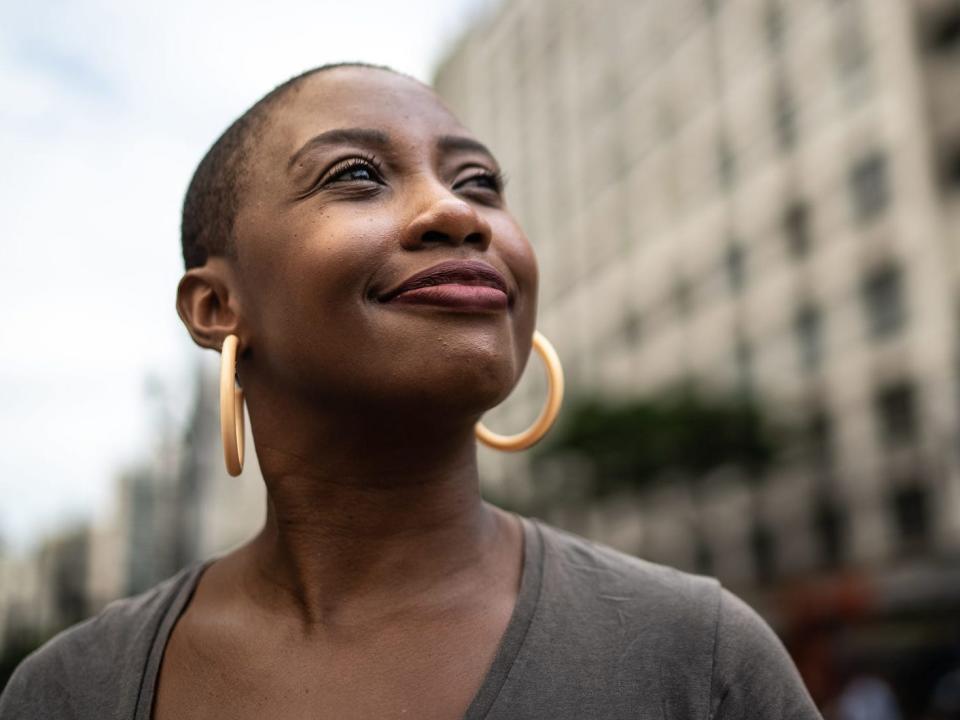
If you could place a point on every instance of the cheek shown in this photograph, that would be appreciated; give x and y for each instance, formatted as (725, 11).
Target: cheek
(307, 287)
(519, 256)
(314, 332)
(334, 257)
(517, 252)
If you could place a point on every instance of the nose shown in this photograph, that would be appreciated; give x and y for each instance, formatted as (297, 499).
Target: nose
(446, 219)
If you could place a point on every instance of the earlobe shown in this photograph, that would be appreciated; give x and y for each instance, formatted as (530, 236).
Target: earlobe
(207, 304)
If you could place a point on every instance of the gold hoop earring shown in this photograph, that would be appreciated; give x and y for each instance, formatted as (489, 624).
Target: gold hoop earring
(231, 407)
(542, 424)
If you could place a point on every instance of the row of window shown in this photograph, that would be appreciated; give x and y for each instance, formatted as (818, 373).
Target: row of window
(851, 44)
(870, 193)
(884, 302)
(883, 297)
(895, 409)
(908, 506)
(882, 293)
(852, 62)
(882, 289)
(852, 67)
(896, 418)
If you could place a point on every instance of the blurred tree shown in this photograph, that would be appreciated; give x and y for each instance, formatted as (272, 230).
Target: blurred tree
(629, 442)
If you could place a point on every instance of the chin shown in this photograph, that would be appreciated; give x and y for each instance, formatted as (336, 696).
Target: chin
(465, 381)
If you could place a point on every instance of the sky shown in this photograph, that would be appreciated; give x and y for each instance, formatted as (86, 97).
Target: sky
(107, 108)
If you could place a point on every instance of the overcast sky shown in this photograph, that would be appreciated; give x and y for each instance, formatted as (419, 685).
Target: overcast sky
(107, 108)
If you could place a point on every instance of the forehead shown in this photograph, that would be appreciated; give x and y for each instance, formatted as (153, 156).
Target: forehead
(355, 97)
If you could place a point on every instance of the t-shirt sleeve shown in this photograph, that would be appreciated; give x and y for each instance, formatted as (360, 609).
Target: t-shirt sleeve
(753, 676)
(34, 689)
(95, 668)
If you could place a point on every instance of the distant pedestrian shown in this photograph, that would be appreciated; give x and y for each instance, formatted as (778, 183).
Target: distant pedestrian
(867, 698)
(945, 699)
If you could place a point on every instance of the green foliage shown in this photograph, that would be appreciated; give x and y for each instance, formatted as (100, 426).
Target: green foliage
(630, 442)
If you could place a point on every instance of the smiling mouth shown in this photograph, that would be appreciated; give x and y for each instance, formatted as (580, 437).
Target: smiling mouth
(466, 285)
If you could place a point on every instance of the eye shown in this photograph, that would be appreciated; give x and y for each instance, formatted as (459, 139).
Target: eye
(357, 169)
(484, 180)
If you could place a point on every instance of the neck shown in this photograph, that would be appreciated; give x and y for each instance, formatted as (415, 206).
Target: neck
(365, 515)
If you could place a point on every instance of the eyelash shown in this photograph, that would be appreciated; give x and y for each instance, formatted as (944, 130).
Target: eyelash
(496, 179)
(349, 164)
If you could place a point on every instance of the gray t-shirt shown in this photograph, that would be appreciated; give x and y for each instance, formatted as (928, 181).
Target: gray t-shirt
(595, 634)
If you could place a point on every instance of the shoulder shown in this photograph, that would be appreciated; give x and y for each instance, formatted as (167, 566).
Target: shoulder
(754, 677)
(677, 636)
(647, 629)
(94, 668)
(597, 571)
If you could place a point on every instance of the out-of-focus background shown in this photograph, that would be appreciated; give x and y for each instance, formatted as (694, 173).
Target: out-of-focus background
(747, 216)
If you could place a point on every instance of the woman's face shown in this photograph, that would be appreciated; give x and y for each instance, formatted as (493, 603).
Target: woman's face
(362, 180)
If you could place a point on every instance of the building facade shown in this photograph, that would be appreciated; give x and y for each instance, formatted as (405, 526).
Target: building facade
(759, 195)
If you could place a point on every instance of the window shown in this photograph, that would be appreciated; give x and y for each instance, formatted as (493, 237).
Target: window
(774, 24)
(884, 302)
(796, 228)
(726, 163)
(911, 511)
(763, 549)
(632, 328)
(682, 296)
(736, 266)
(702, 556)
(870, 186)
(820, 442)
(852, 51)
(951, 168)
(829, 523)
(743, 359)
(896, 414)
(808, 328)
(942, 32)
(785, 116)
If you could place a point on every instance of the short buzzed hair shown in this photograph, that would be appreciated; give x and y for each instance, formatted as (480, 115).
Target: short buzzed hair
(214, 194)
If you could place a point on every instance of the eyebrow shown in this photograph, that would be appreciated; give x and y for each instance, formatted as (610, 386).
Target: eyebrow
(342, 136)
(380, 139)
(451, 143)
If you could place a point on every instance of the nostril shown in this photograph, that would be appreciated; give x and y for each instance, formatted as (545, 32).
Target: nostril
(475, 238)
(435, 236)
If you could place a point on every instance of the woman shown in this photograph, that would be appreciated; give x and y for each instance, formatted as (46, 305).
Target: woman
(348, 239)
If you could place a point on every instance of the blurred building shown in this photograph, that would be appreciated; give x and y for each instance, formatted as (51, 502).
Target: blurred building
(175, 507)
(59, 597)
(42, 593)
(752, 194)
(180, 507)
(217, 511)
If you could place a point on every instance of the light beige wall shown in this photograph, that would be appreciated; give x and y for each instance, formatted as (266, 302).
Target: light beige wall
(607, 122)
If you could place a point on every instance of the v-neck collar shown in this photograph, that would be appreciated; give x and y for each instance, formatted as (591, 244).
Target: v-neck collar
(511, 642)
(528, 598)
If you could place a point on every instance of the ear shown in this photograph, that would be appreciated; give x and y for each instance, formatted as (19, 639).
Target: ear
(208, 303)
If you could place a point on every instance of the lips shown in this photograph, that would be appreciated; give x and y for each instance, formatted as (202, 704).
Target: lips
(470, 273)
